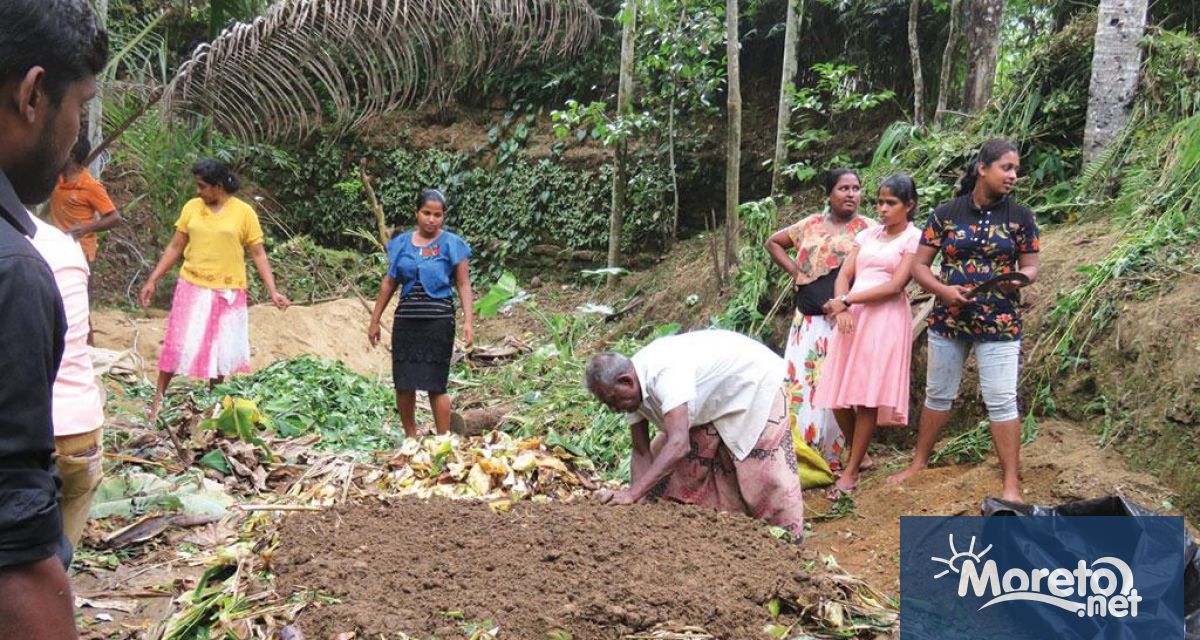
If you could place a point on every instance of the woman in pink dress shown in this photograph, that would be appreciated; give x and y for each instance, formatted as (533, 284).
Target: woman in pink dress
(867, 368)
(812, 252)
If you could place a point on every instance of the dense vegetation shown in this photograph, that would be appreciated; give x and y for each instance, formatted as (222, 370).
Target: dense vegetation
(533, 169)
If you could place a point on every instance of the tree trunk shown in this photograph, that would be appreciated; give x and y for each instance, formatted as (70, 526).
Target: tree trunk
(733, 157)
(95, 117)
(983, 37)
(914, 49)
(947, 70)
(671, 161)
(621, 173)
(1115, 68)
(671, 137)
(795, 17)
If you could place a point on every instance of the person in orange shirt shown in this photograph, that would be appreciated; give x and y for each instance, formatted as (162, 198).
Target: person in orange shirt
(80, 206)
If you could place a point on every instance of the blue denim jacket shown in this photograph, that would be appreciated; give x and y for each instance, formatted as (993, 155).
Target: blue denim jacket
(433, 264)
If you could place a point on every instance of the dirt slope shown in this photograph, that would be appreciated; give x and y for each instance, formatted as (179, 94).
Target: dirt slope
(1063, 464)
(336, 329)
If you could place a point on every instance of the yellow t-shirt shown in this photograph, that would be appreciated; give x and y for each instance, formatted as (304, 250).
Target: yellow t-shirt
(215, 256)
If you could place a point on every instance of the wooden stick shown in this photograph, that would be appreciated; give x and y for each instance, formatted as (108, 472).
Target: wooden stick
(151, 99)
(380, 218)
(132, 593)
(135, 460)
(712, 249)
(923, 312)
(370, 310)
(771, 314)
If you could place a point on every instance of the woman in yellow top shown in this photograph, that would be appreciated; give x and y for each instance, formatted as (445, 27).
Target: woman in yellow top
(208, 335)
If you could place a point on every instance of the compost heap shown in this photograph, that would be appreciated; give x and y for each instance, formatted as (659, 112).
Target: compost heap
(538, 569)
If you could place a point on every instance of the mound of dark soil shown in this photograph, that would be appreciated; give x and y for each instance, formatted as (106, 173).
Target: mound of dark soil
(593, 571)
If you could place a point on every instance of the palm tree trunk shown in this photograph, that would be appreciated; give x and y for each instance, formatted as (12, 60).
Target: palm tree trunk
(914, 50)
(616, 218)
(1115, 65)
(95, 114)
(733, 155)
(947, 70)
(795, 17)
(983, 37)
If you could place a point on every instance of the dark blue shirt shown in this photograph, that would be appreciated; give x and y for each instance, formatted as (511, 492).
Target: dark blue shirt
(975, 246)
(32, 326)
(433, 263)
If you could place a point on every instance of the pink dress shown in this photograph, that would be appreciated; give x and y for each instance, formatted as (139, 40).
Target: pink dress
(869, 367)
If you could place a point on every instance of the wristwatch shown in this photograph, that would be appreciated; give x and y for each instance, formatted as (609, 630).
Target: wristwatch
(844, 300)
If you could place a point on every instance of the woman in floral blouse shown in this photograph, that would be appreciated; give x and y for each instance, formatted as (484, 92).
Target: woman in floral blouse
(818, 244)
(980, 234)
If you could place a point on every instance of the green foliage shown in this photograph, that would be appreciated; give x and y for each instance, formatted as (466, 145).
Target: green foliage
(307, 394)
(161, 155)
(593, 120)
(547, 387)
(502, 211)
(681, 55)
(1157, 191)
(551, 81)
(498, 297)
(215, 598)
(309, 273)
(843, 507)
(1155, 165)
(553, 402)
(139, 50)
(834, 93)
(752, 284)
(222, 12)
(972, 445)
(1042, 109)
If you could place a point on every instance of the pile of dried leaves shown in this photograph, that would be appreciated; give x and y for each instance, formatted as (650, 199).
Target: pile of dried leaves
(494, 466)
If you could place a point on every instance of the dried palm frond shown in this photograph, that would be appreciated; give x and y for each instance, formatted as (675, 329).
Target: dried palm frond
(311, 63)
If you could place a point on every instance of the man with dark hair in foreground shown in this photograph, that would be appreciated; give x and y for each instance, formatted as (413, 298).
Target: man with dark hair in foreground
(50, 53)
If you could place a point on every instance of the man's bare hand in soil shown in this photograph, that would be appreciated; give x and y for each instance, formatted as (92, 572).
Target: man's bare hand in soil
(608, 496)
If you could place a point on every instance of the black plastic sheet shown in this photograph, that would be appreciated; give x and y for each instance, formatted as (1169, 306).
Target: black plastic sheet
(1117, 506)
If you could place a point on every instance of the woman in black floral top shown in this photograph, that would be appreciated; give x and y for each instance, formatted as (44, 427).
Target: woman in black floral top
(980, 234)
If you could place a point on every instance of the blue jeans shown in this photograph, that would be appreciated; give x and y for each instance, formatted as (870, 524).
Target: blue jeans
(999, 369)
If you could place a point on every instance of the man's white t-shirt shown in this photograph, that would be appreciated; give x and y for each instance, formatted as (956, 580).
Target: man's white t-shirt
(724, 378)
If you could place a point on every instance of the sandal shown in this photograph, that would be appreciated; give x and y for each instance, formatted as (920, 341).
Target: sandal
(836, 493)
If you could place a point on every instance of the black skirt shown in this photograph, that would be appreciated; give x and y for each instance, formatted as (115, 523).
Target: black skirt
(421, 351)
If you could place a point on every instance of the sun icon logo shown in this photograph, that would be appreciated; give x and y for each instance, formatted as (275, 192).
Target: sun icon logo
(957, 558)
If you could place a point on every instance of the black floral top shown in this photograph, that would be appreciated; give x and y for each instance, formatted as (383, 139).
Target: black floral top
(976, 245)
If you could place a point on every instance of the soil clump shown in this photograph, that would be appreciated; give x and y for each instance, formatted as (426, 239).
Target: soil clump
(595, 572)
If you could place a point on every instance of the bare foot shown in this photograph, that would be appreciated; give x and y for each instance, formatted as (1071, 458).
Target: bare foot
(867, 463)
(152, 414)
(1012, 494)
(912, 470)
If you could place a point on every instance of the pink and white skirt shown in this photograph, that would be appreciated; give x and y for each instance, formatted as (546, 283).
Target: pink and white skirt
(208, 332)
